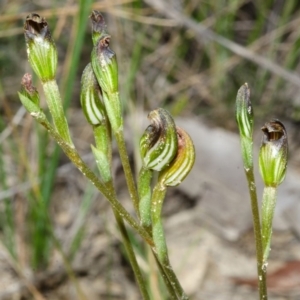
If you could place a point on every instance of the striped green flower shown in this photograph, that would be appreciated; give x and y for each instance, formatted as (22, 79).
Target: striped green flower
(41, 49)
(105, 65)
(90, 97)
(273, 153)
(158, 145)
(182, 164)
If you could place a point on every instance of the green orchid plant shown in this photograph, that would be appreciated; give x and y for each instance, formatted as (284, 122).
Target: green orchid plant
(164, 147)
(166, 150)
(272, 166)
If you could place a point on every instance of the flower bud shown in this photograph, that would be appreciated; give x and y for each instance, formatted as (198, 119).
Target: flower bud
(182, 164)
(158, 145)
(29, 95)
(105, 65)
(98, 26)
(273, 153)
(244, 118)
(244, 111)
(41, 50)
(90, 97)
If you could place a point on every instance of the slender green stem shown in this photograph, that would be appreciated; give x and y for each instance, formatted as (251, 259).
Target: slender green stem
(158, 196)
(127, 169)
(170, 287)
(86, 171)
(144, 190)
(267, 213)
(159, 193)
(129, 250)
(103, 143)
(261, 271)
(56, 109)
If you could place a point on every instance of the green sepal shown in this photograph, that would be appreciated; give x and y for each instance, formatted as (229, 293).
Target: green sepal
(182, 164)
(90, 97)
(158, 144)
(41, 49)
(30, 106)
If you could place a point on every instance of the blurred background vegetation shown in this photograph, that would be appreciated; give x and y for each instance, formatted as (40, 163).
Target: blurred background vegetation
(189, 56)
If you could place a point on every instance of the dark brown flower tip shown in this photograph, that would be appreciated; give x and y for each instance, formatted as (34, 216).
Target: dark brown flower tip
(98, 26)
(29, 95)
(159, 119)
(104, 50)
(274, 131)
(35, 26)
(26, 83)
(98, 22)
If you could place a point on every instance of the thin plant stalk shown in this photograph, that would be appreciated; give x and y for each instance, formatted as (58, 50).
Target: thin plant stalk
(159, 193)
(261, 271)
(165, 277)
(129, 250)
(127, 170)
(103, 143)
(244, 117)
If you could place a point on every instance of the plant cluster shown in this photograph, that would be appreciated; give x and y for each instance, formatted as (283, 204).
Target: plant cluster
(165, 148)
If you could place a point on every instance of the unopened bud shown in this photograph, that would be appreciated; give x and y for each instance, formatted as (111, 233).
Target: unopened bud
(244, 111)
(244, 118)
(29, 95)
(182, 164)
